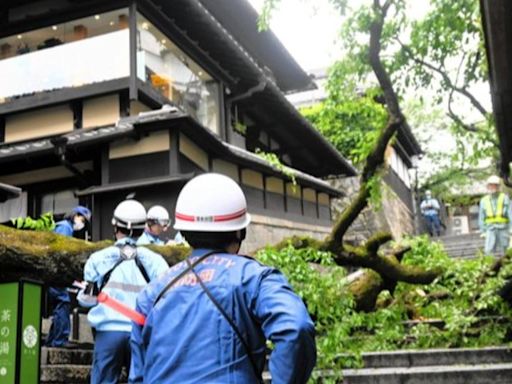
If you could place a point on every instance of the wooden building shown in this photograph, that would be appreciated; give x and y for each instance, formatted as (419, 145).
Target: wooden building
(100, 99)
(497, 26)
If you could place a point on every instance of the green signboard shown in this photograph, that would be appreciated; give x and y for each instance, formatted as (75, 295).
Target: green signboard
(8, 331)
(20, 330)
(30, 332)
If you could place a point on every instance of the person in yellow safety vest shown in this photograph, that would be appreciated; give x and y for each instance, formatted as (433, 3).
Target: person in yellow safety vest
(495, 218)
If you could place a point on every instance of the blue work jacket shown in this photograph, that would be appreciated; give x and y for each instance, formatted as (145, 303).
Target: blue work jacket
(125, 283)
(148, 238)
(64, 227)
(187, 340)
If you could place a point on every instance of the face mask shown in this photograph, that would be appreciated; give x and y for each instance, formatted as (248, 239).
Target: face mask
(78, 224)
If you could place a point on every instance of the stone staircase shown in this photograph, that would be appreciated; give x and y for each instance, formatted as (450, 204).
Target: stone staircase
(435, 366)
(60, 365)
(463, 246)
(439, 366)
(70, 366)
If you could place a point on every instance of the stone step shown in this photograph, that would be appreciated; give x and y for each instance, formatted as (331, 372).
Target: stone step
(83, 329)
(56, 356)
(439, 374)
(453, 251)
(456, 251)
(403, 358)
(69, 373)
(466, 236)
(470, 240)
(464, 243)
(432, 357)
(65, 373)
(464, 246)
(476, 241)
(475, 365)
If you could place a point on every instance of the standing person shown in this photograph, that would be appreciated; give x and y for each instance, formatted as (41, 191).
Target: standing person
(209, 317)
(59, 297)
(120, 271)
(157, 222)
(430, 210)
(495, 218)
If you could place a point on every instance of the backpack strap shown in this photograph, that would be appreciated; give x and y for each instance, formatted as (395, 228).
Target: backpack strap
(181, 274)
(126, 252)
(142, 269)
(106, 276)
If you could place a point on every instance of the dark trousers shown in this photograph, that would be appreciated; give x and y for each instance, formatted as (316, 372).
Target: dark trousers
(111, 353)
(434, 225)
(59, 330)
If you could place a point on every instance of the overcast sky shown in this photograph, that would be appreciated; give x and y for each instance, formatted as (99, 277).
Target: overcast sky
(309, 29)
(308, 33)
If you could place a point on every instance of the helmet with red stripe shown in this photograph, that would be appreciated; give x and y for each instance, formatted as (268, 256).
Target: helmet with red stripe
(211, 203)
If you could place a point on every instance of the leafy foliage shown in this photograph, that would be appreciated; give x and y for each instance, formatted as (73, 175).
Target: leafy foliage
(460, 309)
(350, 121)
(45, 222)
(274, 160)
(437, 59)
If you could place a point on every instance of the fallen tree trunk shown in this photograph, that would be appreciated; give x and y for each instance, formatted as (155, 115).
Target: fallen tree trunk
(55, 259)
(385, 270)
(59, 260)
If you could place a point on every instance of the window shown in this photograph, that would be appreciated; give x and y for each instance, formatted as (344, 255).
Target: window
(161, 64)
(400, 168)
(12, 208)
(75, 53)
(58, 202)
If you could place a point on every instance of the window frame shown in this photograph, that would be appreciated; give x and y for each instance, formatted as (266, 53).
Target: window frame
(143, 9)
(136, 88)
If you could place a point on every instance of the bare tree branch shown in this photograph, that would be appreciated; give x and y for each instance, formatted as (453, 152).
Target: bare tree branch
(375, 159)
(386, 269)
(467, 127)
(469, 172)
(448, 81)
(388, 266)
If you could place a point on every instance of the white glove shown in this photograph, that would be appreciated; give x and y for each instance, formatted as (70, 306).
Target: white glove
(87, 301)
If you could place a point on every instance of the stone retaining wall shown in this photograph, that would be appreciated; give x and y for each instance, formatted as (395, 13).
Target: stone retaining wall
(394, 216)
(266, 230)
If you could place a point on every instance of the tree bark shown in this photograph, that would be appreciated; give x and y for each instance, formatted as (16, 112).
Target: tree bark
(55, 259)
(388, 268)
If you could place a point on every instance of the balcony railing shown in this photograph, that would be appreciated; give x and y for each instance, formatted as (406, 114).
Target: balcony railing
(92, 60)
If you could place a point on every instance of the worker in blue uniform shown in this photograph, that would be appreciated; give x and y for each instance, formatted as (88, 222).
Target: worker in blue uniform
(120, 271)
(430, 210)
(79, 217)
(157, 222)
(59, 296)
(208, 318)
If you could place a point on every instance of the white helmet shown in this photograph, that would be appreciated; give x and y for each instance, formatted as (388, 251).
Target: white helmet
(494, 180)
(129, 214)
(211, 203)
(158, 214)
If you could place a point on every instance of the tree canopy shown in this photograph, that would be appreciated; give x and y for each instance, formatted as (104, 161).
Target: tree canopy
(436, 62)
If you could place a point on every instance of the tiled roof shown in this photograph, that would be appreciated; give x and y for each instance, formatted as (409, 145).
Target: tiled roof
(156, 120)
